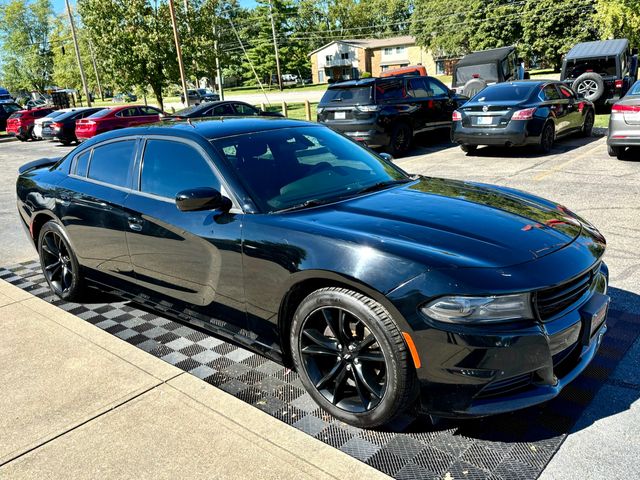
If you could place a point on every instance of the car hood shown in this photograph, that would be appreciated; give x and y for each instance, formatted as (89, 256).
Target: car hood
(445, 223)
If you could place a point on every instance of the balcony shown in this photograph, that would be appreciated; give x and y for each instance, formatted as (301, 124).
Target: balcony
(339, 62)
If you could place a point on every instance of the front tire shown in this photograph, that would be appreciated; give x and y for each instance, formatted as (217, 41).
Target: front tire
(351, 357)
(59, 264)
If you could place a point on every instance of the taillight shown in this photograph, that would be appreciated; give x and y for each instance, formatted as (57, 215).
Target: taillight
(619, 83)
(525, 114)
(625, 108)
(56, 126)
(368, 108)
(457, 116)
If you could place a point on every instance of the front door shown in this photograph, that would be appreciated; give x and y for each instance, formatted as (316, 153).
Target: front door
(190, 259)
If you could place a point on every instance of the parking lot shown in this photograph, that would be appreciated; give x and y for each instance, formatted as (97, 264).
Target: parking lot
(578, 174)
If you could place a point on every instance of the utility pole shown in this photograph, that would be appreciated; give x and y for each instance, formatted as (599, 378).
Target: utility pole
(275, 45)
(75, 43)
(176, 37)
(218, 72)
(95, 69)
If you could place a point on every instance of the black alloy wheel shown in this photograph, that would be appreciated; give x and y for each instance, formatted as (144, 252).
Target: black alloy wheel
(547, 137)
(59, 264)
(343, 359)
(401, 138)
(351, 357)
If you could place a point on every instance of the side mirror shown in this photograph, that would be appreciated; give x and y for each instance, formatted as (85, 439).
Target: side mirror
(386, 156)
(203, 198)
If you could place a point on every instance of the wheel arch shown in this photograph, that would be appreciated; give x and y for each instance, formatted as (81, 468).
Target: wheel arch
(37, 223)
(304, 283)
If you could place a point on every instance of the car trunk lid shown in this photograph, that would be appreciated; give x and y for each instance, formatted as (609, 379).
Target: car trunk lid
(489, 115)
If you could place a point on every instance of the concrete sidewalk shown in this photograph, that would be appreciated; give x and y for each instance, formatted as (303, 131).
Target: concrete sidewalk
(77, 402)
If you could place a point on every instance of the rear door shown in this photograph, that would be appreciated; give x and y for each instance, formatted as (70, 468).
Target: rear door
(442, 102)
(573, 109)
(193, 258)
(558, 106)
(93, 198)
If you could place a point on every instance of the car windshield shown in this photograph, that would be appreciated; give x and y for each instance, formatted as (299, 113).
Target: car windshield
(347, 96)
(297, 167)
(635, 89)
(487, 72)
(10, 107)
(507, 92)
(603, 66)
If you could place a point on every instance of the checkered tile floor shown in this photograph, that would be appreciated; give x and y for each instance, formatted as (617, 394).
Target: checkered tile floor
(517, 445)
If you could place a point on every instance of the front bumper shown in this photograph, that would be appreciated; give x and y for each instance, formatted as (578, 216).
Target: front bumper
(516, 133)
(480, 370)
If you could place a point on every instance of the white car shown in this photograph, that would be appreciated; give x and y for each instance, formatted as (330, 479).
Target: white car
(41, 123)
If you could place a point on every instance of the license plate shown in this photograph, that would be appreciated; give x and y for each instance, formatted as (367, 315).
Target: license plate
(485, 120)
(339, 115)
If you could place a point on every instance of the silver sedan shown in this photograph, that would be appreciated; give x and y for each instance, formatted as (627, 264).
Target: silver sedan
(624, 123)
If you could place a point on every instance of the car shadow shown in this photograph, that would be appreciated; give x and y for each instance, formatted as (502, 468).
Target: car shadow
(569, 412)
(561, 146)
(631, 154)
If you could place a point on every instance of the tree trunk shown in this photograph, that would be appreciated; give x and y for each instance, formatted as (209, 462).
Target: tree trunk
(157, 91)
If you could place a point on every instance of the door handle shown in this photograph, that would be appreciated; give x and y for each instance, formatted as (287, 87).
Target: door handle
(135, 224)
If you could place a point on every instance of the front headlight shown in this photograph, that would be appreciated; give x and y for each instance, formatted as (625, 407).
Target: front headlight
(499, 308)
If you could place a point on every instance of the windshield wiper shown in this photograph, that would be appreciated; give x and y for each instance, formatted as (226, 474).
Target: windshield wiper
(307, 204)
(382, 185)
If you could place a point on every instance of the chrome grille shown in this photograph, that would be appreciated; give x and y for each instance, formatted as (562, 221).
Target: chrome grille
(551, 301)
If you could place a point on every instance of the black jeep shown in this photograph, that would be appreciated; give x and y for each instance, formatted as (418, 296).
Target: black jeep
(478, 69)
(601, 71)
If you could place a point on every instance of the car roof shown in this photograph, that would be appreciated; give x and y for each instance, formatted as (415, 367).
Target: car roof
(211, 128)
(600, 48)
(485, 56)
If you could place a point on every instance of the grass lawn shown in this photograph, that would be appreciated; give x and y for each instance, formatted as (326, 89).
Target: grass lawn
(295, 110)
(602, 120)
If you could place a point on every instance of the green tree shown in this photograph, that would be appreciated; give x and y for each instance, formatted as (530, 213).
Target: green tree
(551, 27)
(134, 41)
(619, 19)
(25, 29)
(441, 26)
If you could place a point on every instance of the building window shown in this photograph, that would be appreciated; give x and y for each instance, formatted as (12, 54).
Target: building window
(384, 67)
(344, 56)
(388, 51)
(320, 76)
(402, 65)
(400, 49)
(440, 70)
(328, 58)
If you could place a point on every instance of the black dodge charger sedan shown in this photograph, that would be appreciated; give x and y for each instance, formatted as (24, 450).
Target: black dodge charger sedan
(527, 112)
(381, 289)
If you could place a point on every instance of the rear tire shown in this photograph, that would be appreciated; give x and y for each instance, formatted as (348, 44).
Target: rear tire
(59, 264)
(469, 149)
(587, 126)
(547, 137)
(351, 357)
(400, 141)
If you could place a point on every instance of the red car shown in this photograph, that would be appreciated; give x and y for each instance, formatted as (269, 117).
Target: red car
(114, 118)
(20, 123)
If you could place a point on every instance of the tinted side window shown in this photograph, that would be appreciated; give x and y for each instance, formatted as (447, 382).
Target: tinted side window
(550, 92)
(128, 112)
(435, 88)
(390, 90)
(169, 167)
(418, 87)
(82, 162)
(111, 163)
(149, 111)
(41, 113)
(243, 109)
(225, 109)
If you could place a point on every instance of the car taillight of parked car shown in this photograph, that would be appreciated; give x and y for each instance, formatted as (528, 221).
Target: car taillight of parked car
(457, 116)
(619, 83)
(368, 108)
(56, 126)
(625, 108)
(525, 114)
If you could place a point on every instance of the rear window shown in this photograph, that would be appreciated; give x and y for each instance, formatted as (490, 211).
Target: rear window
(348, 96)
(505, 92)
(635, 89)
(487, 72)
(10, 107)
(603, 66)
(101, 113)
(16, 115)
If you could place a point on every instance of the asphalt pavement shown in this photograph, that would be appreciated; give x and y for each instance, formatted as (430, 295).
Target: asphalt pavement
(579, 174)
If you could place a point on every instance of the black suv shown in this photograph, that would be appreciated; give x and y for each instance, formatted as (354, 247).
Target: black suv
(387, 112)
(600, 71)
